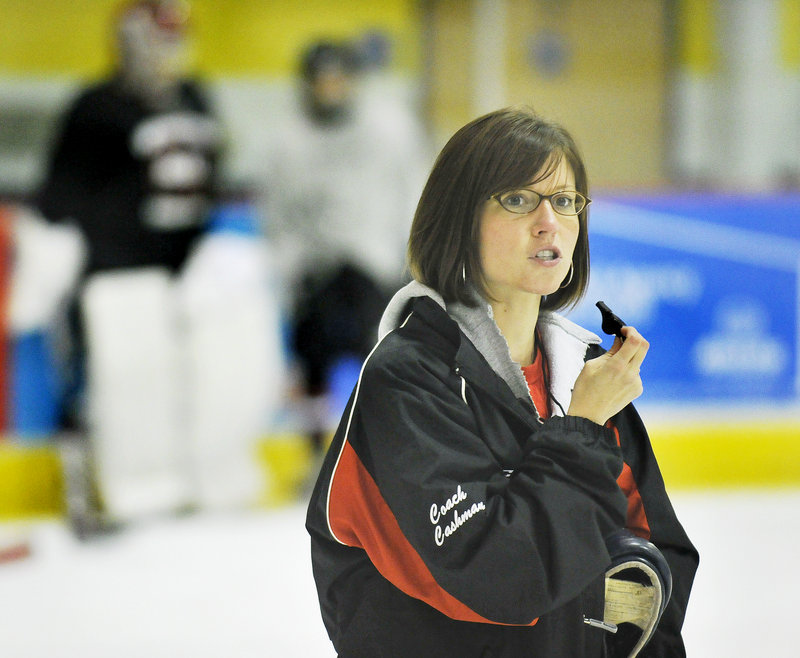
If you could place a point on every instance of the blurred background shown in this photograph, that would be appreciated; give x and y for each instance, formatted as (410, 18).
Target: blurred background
(688, 114)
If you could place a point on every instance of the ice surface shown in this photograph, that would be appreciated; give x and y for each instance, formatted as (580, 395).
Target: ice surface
(241, 586)
(204, 586)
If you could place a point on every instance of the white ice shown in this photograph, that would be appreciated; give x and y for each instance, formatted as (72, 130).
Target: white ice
(241, 586)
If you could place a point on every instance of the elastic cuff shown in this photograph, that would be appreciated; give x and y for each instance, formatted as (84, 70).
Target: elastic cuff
(584, 426)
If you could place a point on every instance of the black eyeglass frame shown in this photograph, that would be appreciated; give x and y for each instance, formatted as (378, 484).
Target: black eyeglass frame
(543, 197)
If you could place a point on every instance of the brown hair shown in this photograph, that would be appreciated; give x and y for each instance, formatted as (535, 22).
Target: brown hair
(500, 151)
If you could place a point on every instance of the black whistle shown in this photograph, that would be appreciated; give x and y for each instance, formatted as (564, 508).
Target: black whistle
(611, 324)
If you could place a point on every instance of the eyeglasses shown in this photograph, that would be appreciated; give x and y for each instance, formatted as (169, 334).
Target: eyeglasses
(521, 202)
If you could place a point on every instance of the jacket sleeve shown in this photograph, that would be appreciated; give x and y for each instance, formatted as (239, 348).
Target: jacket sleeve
(440, 516)
(666, 532)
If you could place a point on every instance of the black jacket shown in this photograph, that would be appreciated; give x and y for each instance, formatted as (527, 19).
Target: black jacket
(139, 183)
(448, 520)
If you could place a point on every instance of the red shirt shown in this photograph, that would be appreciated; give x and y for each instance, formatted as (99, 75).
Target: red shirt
(534, 375)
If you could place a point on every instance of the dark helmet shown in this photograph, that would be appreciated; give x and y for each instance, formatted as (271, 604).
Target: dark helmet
(328, 55)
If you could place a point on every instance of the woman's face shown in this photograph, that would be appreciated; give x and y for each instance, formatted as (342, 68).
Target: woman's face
(528, 254)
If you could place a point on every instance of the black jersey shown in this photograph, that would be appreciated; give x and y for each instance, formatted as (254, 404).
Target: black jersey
(138, 182)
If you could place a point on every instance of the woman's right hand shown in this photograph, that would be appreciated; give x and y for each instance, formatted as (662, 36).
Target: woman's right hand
(610, 382)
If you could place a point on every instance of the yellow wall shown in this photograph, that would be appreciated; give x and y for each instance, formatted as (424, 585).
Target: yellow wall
(696, 32)
(43, 37)
(449, 66)
(611, 95)
(789, 31)
(611, 92)
(231, 37)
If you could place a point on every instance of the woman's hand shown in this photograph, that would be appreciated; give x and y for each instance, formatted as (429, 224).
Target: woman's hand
(610, 382)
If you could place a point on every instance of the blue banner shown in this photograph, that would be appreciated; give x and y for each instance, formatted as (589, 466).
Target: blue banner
(713, 282)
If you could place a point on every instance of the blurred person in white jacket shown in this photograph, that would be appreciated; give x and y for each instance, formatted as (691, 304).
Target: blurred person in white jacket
(340, 184)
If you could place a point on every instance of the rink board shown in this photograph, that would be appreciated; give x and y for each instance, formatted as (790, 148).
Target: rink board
(692, 456)
(31, 483)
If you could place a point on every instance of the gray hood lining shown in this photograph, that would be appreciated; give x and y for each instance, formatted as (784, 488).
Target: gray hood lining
(565, 342)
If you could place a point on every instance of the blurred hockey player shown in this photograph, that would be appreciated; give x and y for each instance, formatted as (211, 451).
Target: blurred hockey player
(341, 184)
(179, 334)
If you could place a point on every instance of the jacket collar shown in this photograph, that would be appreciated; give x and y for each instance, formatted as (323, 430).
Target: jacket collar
(564, 341)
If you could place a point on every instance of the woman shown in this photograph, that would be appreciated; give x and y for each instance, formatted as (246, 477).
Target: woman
(490, 447)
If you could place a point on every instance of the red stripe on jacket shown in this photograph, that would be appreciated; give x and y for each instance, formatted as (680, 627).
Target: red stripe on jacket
(359, 516)
(636, 518)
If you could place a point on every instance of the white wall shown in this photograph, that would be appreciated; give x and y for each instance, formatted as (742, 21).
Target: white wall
(737, 124)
